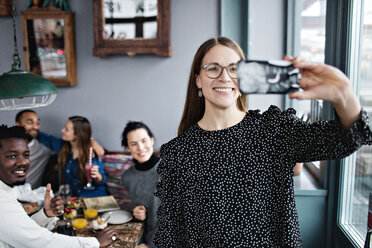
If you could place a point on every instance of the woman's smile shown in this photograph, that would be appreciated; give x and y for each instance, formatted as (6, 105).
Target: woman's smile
(224, 90)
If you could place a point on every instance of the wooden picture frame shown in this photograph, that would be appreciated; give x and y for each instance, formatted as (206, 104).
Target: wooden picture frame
(49, 44)
(160, 45)
(6, 8)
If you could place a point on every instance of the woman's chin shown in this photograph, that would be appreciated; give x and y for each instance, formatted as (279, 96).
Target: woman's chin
(142, 159)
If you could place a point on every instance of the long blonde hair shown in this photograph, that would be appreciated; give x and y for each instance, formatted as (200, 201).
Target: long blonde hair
(195, 105)
(83, 132)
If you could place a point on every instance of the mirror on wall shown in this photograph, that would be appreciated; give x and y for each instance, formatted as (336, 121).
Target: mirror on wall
(5, 8)
(132, 27)
(49, 48)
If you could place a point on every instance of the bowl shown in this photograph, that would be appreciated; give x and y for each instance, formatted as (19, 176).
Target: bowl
(99, 223)
(73, 202)
(70, 213)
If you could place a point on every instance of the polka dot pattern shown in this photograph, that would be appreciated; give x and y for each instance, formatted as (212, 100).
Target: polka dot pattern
(234, 187)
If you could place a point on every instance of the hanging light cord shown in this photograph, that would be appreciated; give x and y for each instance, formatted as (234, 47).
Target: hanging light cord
(16, 61)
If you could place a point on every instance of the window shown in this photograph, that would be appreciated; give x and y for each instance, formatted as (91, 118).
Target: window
(312, 43)
(306, 39)
(357, 171)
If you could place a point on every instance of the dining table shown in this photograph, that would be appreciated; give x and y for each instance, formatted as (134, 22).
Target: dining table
(129, 233)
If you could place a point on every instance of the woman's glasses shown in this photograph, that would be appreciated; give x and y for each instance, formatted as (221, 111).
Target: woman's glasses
(214, 71)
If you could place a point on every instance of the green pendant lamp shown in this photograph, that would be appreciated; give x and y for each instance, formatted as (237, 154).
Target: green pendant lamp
(20, 89)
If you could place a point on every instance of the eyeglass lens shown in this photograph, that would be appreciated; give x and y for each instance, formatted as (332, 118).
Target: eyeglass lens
(215, 70)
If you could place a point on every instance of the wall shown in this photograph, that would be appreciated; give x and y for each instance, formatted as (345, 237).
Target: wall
(116, 89)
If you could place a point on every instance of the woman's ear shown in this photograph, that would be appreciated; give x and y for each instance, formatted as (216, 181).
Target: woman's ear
(197, 81)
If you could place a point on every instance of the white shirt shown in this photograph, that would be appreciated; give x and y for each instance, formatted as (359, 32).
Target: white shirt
(18, 230)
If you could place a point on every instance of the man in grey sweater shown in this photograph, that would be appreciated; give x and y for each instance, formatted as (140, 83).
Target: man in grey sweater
(39, 153)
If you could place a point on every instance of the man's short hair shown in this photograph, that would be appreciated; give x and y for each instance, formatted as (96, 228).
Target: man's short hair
(12, 132)
(19, 115)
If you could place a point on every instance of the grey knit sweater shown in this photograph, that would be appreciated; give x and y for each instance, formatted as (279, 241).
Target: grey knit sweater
(141, 185)
(39, 156)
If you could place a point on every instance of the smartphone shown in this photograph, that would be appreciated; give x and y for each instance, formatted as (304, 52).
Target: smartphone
(267, 77)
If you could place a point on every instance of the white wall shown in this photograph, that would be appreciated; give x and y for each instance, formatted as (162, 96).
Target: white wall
(113, 90)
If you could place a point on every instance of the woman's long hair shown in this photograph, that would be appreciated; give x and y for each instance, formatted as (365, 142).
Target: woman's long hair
(83, 132)
(195, 105)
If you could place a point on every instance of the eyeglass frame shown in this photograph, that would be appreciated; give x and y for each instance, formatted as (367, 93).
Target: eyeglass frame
(222, 68)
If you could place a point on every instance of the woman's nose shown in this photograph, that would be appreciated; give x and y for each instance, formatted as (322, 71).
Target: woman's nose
(224, 75)
(140, 146)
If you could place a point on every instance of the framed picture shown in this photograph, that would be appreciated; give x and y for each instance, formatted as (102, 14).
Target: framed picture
(49, 44)
(5, 7)
(131, 27)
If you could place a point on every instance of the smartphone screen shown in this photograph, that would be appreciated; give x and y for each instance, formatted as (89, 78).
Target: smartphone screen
(267, 77)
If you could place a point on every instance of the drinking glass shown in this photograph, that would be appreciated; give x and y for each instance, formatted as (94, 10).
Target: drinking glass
(79, 222)
(88, 168)
(65, 192)
(69, 214)
(90, 213)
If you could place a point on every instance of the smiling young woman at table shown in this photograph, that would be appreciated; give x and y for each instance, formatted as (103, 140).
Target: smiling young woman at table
(227, 179)
(73, 154)
(17, 228)
(140, 180)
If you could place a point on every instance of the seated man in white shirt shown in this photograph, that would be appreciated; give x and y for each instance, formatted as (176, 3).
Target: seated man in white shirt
(17, 228)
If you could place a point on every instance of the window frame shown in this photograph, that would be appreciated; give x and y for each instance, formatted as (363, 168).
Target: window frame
(348, 168)
(292, 47)
(339, 21)
(339, 24)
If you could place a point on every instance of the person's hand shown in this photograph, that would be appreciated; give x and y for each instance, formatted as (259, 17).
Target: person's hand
(94, 172)
(142, 246)
(325, 82)
(320, 81)
(106, 237)
(139, 212)
(53, 206)
(97, 148)
(297, 169)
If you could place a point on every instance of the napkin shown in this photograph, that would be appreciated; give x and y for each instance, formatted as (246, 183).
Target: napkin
(26, 194)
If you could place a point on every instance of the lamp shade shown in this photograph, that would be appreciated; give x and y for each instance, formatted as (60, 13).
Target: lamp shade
(21, 89)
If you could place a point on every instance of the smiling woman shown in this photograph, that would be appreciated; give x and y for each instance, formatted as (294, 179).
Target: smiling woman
(227, 179)
(140, 180)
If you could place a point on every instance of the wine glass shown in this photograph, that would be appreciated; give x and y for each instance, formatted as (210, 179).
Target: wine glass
(88, 169)
(65, 192)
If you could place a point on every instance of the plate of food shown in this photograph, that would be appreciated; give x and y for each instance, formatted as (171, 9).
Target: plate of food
(117, 217)
(31, 208)
(99, 223)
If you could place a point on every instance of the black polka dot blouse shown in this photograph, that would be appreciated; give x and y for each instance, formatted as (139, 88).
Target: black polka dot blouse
(234, 187)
